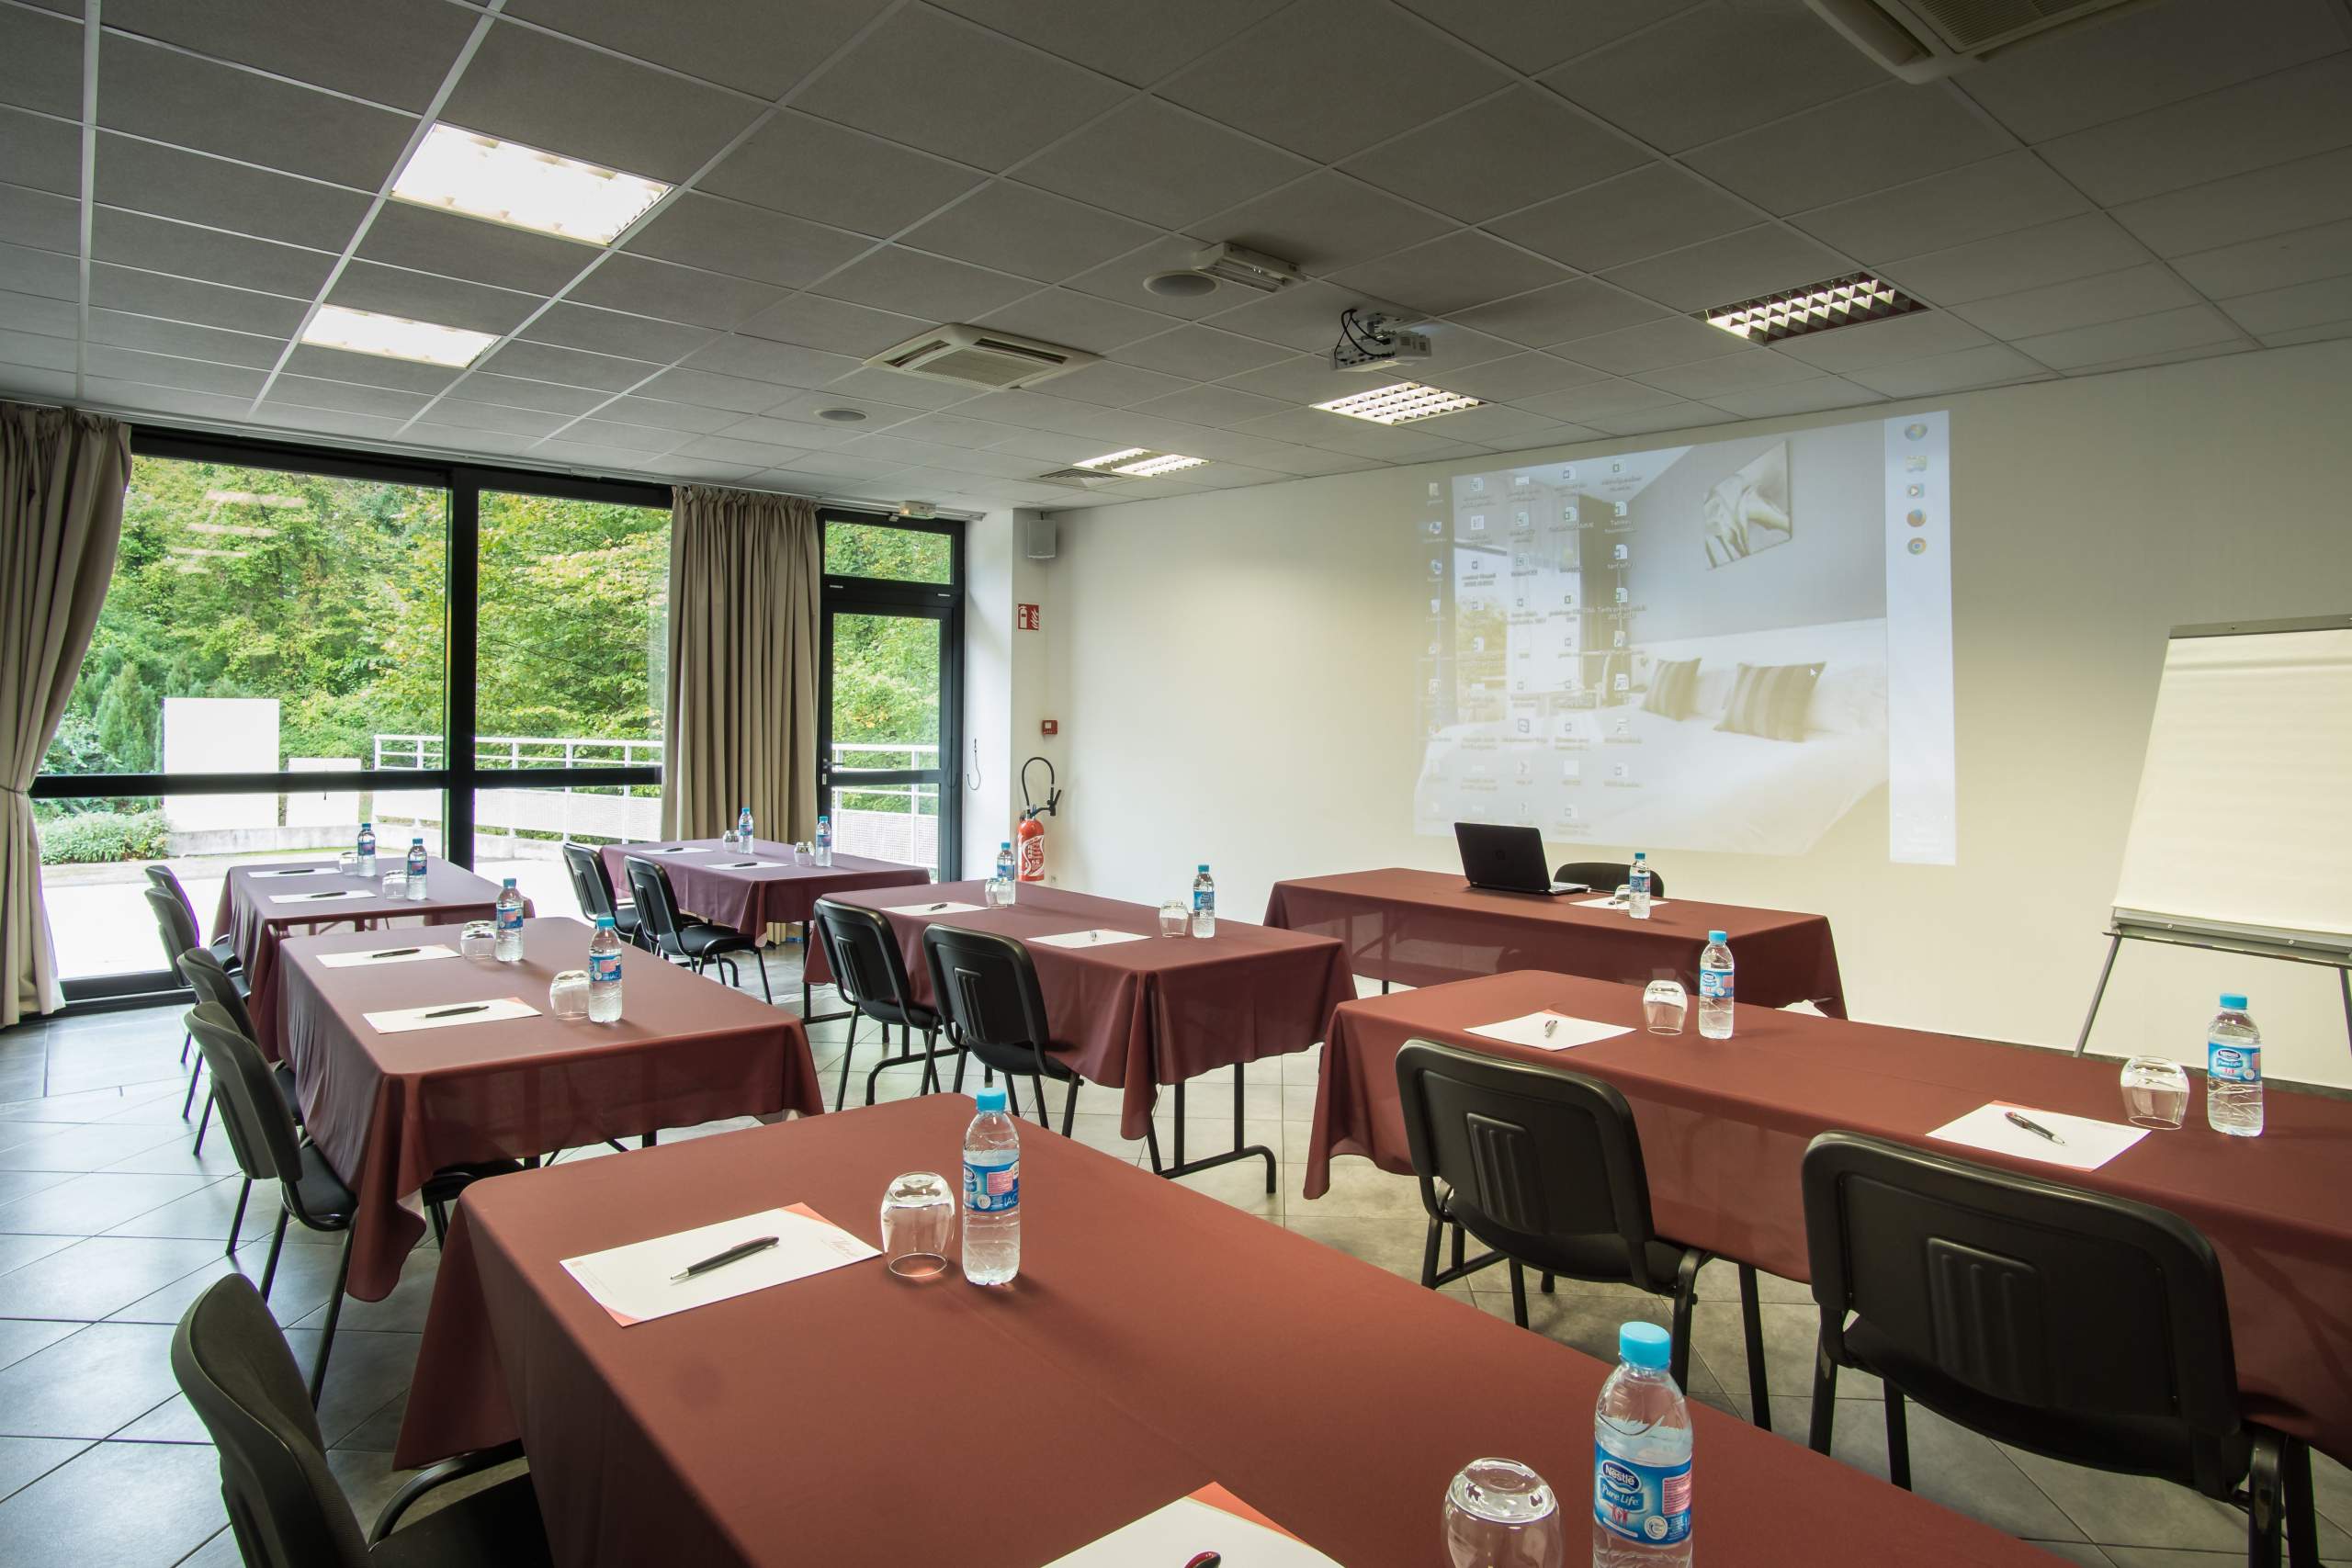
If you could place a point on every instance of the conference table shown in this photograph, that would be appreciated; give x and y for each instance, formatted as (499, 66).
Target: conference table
(1424, 928)
(1724, 1124)
(389, 1109)
(261, 904)
(1135, 1015)
(1157, 1340)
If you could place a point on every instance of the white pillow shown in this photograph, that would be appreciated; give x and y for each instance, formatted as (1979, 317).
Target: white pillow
(1713, 688)
(1848, 699)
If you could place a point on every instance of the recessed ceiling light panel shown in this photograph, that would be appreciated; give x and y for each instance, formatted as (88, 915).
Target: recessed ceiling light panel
(1795, 312)
(505, 182)
(1140, 462)
(1401, 404)
(392, 337)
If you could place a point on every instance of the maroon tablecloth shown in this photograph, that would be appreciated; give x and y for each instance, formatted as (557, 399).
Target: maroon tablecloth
(1725, 1123)
(1156, 1340)
(389, 1109)
(1137, 1014)
(1423, 927)
(751, 900)
(255, 926)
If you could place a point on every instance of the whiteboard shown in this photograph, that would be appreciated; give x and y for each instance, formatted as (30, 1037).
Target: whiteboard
(2240, 826)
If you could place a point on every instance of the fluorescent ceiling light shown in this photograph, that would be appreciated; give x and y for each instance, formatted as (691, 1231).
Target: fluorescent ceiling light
(363, 331)
(1124, 454)
(1793, 313)
(505, 182)
(1141, 462)
(1401, 404)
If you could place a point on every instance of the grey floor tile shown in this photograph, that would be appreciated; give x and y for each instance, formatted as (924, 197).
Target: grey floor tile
(1790, 1333)
(16, 1184)
(20, 1336)
(94, 1105)
(91, 1278)
(24, 1460)
(174, 1421)
(16, 1251)
(221, 1551)
(1360, 1189)
(88, 1384)
(93, 1204)
(1965, 1472)
(2080, 1552)
(365, 1370)
(305, 1274)
(78, 1515)
(204, 1213)
(2132, 1510)
(402, 1312)
(78, 1148)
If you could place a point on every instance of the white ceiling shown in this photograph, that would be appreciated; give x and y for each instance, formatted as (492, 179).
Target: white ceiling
(1554, 187)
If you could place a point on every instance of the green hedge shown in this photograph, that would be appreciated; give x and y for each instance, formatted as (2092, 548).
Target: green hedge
(98, 836)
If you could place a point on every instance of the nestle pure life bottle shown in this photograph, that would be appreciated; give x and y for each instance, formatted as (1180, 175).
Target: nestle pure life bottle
(2233, 1071)
(1641, 1458)
(991, 1193)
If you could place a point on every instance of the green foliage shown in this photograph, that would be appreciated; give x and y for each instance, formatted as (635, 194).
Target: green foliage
(126, 722)
(900, 555)
(96, 836)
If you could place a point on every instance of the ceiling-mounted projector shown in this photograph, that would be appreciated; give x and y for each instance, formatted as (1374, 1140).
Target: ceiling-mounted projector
(1371, 342)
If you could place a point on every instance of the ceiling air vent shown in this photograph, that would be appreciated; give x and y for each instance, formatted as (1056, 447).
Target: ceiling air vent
(1920, 41)
(979, 356)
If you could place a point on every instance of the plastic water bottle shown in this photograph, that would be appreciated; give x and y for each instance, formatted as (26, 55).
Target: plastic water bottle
(1204, 904)
(743, 830)
(824, 840)
(1637, 887)
(991, 1194)
(1715, 989)
(1641, 1458)
(1001, 887)
(2234, 1070)
(510, 925)
(605, 971)
(417, 871)
(366, 848)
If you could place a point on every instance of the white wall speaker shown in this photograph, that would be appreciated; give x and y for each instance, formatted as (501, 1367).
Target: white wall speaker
(1040, 538)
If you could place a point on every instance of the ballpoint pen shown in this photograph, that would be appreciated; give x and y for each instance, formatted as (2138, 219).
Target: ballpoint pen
(393, 953)
(1549, 1025)
(720, 1259)
(452, 1012)
(2036, 1128)
(934, 908)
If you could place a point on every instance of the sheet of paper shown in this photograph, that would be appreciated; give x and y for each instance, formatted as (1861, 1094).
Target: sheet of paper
(2088, 1144)
(680, 850)
(1612, 904)
(454, 1015)
(744, 865)
(322, 897)
(1095, 937)
(949, 907)
(382, 955)
(634, 1282)
(1211, 1519)
(298, 871)
(1564, 1031)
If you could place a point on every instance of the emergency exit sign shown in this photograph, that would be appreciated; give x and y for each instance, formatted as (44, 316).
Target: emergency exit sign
(1026, 617)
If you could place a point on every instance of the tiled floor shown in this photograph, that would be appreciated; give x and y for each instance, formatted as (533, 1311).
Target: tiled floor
(109, 1225)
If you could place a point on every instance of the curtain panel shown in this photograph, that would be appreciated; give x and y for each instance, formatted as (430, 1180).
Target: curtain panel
(63, 475)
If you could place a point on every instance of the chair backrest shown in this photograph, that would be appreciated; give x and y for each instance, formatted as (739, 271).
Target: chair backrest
(657, 909)
(986, 985)
(261, 1129)
(163, 877)
(200, 967)
(862, 949)
(286, 1508)
(1606, 875)
(2023, 1290)
(591, 883)
(173, 924)
(1538, 1158)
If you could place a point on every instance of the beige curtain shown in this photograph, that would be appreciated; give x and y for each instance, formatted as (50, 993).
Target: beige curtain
(744, 572)
(62, 480)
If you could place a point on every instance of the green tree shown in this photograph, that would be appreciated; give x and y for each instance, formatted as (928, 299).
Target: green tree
(127, 721)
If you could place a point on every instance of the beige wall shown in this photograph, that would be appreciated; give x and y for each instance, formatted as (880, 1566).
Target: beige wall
(1234, 677)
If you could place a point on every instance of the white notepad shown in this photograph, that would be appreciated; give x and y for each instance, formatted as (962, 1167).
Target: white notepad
(1095, 937)
(403, 1021)
(634, 1282)
(298, 871)
(682, 850)
(382, 955)
(321, 897)
(1565, 1030)
(2089, 1144)
(743, 865)
(1612, 904)
(948, 907)
(1206, 1521)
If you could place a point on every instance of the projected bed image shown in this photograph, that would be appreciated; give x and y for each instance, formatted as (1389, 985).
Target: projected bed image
(1689, 647)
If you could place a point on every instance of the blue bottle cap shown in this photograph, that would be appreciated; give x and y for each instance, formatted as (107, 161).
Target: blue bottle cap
(605, 923)
(1006, 845)
(1645, 1345)
(510, 882)
(1204, 868)
(990, 1100)
(2234, 1003)
(1640, 856)
(1718, 936)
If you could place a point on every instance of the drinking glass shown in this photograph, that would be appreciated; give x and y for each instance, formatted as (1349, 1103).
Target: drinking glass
(1664, 1003)
(1174, 918)
(2156, 1091)
(347, 863)
(1500, 1514)
(1622, 898)
(804, 852)
(478, 939)
(568, 996)
(918, 1221)
(727, 839)
(396, 885)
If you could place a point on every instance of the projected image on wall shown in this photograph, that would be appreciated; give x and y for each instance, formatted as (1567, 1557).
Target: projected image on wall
(1726, 647)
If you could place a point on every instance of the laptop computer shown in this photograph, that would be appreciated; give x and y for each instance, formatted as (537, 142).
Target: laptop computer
(1499, 859)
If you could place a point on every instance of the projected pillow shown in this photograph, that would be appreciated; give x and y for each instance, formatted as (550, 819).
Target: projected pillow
(1771, 700)
(1712, 691)
(1674, 688)
(1850, 699)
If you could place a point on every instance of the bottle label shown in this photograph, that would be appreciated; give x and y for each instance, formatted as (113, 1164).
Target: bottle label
(510, 920)
(1715, 984)
(604, 967)
(2233, 1064)
(1205, 900)
(1649, 1503)
(992, 1188)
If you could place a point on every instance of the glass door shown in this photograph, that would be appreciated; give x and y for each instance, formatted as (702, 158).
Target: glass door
(887, 720)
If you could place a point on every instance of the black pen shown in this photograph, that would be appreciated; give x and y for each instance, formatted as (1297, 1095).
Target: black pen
(393, 953)
(452, 1012)
(720, 1259)
(1550, 1024)
(2036, 1128)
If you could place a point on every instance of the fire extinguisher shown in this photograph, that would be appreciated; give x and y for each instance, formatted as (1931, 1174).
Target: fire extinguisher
(1032, 832)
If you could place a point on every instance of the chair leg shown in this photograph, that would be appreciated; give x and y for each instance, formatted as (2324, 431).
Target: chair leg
(440, 1212)
(1545, 1285)
(1751, 1322)
(2300, 1517)
(1518, 1293)
(1898, 1439)
(237, 1220)
(929, 1060)
(187, 1041)
(1461, 1240)
(204, 1121)
(1037, 1085)
(1429, 1252)
(2266, 1487)
(963, 1058)
(1069, 1105)
(1012, 1096)
(1151, 1145)
(765, 989)
(195, 1076)
(277, 1246)
(1685, 1293)
(1825, 1400)
(841, 1095)
(334, 1311)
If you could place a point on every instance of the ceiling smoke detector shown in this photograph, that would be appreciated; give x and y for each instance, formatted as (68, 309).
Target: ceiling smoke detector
(1181, 285)
(980, 356)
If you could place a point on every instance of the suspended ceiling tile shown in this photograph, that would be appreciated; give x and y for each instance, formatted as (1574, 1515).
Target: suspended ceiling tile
(1497, 155)
(167, 95)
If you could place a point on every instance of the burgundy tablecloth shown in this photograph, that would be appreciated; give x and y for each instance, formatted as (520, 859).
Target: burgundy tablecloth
(1157, 1340)
(1137, 1014)
(1423, 927)
(1724, 1124)
(389, 1109)
(752, 900)
(255, 926)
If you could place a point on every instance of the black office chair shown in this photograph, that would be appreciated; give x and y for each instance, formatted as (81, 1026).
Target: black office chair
(986, 989)
(1545, 1166)
(286, 1508)
(674, 936)
(176, 928)
(2083, 1327)
(871, 975)
(592, 885)
(1606, 875)
(163, 877)
(212, 984)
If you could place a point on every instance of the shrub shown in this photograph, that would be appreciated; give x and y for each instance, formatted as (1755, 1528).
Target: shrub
(97, 836)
